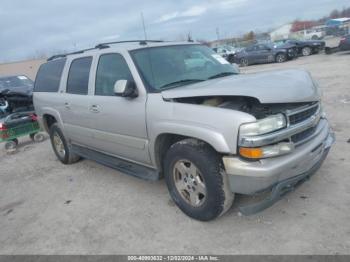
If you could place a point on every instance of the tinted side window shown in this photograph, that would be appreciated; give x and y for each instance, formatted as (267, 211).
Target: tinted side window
(78, 77)
(111, 68)
(249, 48)
(49, 76)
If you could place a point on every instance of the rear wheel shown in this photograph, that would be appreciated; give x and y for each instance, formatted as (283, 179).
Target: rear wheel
(280, 58)
(306, 51)
(37, 137)
(196, 180)
(244, 62)
(61, 147)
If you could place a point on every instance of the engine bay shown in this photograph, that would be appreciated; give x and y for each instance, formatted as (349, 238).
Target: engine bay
(248, 105)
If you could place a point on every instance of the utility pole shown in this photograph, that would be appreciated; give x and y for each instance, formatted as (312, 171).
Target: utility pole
(143, 25)
(217, 33)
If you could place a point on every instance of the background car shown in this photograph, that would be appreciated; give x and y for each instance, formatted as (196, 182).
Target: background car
(197, 59)
(18, 83)
(292, 50)
(304, 48)
(314, 33)
(227, 52)
(344, 44)
(260, 53)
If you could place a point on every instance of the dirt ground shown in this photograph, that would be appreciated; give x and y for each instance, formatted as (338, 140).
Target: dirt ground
(49, 208)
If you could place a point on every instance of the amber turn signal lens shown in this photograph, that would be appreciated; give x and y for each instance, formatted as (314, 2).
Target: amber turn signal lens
(254, 153)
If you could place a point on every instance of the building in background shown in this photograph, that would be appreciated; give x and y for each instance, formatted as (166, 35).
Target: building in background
(28, 68)
(281, 32)
(338, 26)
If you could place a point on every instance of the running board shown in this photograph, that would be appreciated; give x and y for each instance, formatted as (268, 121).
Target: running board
(124, 166)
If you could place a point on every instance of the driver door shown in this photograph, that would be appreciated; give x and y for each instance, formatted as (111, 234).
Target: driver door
(119, 122)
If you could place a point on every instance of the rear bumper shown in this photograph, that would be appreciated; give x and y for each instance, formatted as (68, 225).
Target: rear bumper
(253, 177)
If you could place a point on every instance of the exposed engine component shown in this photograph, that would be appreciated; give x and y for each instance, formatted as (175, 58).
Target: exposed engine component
(248, 105)
(12, 102)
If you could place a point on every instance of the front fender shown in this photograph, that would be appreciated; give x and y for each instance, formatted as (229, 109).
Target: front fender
(206, 133)
(216, 126)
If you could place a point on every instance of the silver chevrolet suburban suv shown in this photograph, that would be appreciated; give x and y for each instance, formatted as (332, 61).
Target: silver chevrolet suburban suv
(180, 111)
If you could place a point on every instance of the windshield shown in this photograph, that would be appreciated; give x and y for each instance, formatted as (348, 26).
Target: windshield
(15, 81)
(179, 65)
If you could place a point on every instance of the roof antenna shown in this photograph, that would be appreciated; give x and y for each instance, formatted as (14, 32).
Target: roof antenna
(144, 27)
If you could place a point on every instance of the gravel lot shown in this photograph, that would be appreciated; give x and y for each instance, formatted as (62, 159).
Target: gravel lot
(48, 208)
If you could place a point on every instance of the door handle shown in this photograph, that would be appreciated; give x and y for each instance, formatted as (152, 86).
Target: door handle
(67, 105)
(94, 109)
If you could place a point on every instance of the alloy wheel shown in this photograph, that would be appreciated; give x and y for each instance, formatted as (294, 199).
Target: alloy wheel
(59, 146)
(280, 58)
(189, 183)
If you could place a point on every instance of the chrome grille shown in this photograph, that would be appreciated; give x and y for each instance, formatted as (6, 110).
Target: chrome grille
(302, 126)
(302, 136)
(302, 115)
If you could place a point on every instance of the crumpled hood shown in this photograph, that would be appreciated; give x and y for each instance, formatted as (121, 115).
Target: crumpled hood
(282, 86)
(25, 90)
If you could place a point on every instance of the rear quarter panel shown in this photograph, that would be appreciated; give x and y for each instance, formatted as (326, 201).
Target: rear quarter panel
(50, 104)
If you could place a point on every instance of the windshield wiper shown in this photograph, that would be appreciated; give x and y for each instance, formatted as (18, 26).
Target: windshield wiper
(183, 81)
(222, 74)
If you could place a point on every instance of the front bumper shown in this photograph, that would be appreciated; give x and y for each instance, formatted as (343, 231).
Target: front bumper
(251, 177)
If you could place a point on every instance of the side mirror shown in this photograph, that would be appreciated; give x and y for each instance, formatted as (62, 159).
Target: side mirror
(125, 88)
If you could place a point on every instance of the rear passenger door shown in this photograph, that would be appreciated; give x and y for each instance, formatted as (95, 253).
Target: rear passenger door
(119, 122)
(76, 101)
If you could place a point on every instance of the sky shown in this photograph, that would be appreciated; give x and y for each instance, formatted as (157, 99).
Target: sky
(32, 28)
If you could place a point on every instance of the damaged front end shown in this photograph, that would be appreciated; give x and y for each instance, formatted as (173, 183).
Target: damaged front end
(283, 147)
(15, 101)
(278, 129)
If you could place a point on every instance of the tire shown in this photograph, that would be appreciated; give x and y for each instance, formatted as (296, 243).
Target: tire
(37, 137)
(306, 51)
(281, 58)
(208, 187)
(60, 146)
(11, 146)
(243, 62)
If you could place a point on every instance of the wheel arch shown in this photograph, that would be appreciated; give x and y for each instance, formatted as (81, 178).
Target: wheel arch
(49, 117)
(48, 121)
(165, 140)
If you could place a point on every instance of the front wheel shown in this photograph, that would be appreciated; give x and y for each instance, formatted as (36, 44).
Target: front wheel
(61, 147)
(280, 58)
(196, 180)
(306, 51)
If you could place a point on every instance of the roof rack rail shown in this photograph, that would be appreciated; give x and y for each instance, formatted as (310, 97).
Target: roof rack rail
(72, 53)
(142, 42)
(102, 46)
